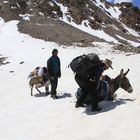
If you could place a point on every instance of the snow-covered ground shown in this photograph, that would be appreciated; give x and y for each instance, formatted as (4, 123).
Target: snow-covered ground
(23, 117)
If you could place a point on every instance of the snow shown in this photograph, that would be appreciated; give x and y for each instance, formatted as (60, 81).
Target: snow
(130, 31)
(85, 25)
(25, 17)
(135, 44)
(114, 11)
(1, 22)
(115, 27)
(40, 13)
(99, 33)
(121, 37)
(23, 117)
(5, 1)
(51, 4)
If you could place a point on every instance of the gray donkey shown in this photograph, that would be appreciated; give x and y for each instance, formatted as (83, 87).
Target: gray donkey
(121, 81)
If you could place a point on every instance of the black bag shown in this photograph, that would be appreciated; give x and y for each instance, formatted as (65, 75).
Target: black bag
(81, 64)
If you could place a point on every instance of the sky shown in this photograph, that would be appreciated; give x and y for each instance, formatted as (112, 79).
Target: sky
(135, 2)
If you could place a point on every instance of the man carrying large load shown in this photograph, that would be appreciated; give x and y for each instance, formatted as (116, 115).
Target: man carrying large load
(88, 70)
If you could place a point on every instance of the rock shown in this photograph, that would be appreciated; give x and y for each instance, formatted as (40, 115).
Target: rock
(21, 62)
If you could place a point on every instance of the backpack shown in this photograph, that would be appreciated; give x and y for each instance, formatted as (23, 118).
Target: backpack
(38, 72)
(81, 64)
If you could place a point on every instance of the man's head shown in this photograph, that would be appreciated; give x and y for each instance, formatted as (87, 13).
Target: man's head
(108, 63)
(54, 52)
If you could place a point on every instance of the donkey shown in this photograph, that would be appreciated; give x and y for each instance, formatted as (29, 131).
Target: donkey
(38, 83)
(121, 81)
(39, 79)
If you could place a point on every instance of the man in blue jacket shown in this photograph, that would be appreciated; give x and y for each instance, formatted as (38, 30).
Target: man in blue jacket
(54, 71)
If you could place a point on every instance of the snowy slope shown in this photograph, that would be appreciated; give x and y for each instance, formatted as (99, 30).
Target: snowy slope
(23, 117)
(99, 33)
(99, 18)
(113, 12)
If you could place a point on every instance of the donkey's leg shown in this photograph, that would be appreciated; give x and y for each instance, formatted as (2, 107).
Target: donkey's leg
(31, 90)
(47, 90)
(38, 90)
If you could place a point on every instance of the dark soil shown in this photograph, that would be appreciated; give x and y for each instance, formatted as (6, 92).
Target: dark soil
(2, 61)
(127, 49)
(56, 31)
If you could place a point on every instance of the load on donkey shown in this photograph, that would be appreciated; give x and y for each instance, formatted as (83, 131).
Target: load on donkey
(39, 78)
(88, 70)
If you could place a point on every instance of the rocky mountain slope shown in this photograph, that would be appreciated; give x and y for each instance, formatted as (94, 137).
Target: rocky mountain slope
(75, 21)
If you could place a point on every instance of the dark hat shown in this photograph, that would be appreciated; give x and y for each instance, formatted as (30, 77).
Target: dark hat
(108, 62)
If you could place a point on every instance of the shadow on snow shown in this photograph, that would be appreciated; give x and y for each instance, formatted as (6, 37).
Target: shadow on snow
(61, 95)
(108, 105)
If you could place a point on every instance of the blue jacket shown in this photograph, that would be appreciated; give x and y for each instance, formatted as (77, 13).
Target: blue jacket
(53, 65)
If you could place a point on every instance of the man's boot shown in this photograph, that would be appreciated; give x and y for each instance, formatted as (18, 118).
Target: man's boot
(79, 104)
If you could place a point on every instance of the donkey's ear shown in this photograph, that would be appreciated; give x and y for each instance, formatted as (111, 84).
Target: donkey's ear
(126, 71)
(121, 73)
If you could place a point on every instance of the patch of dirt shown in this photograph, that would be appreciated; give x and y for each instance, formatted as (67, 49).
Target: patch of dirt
(2, 60)
(127, 49)
(56, 31)
(7, 13)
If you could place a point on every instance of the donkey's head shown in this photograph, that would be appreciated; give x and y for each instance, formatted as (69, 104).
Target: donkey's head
(124, 82)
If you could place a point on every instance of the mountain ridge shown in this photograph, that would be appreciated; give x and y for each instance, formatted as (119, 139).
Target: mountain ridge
(98, 18)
